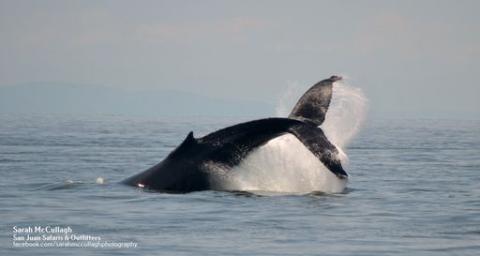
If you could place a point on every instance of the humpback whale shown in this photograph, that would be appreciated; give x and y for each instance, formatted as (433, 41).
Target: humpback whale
(194, 165)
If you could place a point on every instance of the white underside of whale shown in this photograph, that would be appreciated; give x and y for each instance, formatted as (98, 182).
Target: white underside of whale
(282, 165)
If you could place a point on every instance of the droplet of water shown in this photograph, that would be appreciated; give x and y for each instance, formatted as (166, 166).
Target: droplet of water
(100, 180)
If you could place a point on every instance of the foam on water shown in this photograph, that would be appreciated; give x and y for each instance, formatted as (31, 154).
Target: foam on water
(284, 164)
(100, 180)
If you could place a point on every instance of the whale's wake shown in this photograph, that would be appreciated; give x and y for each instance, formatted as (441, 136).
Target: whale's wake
(285, 165)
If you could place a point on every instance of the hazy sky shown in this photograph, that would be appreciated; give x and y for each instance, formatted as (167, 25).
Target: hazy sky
(412, 58)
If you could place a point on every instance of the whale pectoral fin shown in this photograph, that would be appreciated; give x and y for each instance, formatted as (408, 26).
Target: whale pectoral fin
(231, 145)
(313, 105)
(316, 141)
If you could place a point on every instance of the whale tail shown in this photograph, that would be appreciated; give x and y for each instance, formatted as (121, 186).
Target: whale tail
(313, 105)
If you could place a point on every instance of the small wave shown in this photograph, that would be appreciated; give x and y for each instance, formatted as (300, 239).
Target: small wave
(67, 184)
(10, 160)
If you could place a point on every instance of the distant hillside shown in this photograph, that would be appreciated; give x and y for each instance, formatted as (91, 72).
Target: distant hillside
(86, 99)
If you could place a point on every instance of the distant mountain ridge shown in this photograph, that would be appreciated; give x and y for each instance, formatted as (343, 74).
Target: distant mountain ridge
(88, 99)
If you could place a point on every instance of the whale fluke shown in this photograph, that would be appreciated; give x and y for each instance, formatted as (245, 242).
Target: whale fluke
(313, 104)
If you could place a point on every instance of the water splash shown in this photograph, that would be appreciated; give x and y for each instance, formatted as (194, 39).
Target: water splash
(285, 165)
(288, 99)
(100, 180)
(345, 115)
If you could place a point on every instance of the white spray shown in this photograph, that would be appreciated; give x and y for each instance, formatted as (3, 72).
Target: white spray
(285, 165)
(344, 117)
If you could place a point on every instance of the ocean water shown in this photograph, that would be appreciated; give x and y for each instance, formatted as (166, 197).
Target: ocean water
(414, 190)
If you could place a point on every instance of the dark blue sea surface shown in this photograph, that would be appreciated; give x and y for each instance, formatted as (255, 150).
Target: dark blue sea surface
(414, 190)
